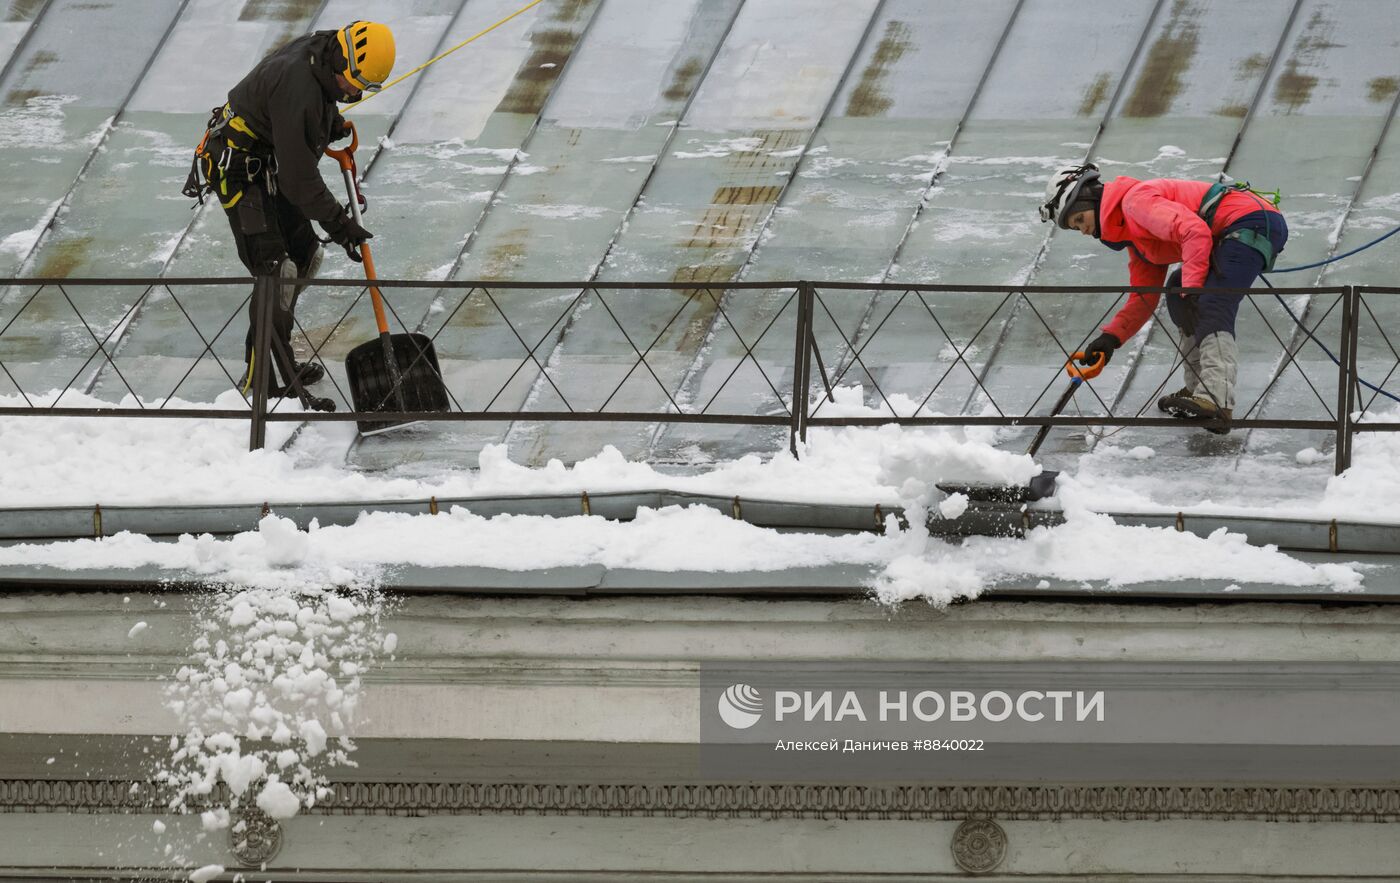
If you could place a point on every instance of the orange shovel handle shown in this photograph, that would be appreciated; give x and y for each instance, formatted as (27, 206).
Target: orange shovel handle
(345, 156)
(374, 298)
(1084, 372)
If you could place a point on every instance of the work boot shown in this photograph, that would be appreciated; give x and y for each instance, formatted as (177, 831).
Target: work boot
(1183, 393)
(310, 372)
(313, 403)
(307, 373)
(1189, 407)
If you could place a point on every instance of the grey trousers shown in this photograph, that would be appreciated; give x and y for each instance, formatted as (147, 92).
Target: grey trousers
(1212, 366)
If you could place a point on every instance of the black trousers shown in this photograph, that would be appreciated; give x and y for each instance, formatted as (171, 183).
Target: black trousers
(268, 229)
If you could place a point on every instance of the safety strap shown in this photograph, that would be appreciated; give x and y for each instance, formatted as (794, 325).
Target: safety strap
(241, 151)
(1257, 241)
(1251, 238)
(198, 182)
(1211, 202)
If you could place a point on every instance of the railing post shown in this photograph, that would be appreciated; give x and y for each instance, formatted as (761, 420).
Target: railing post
(809, 344)
(799, 369)
(263, 291)
(1346, 373)
(1354, 378)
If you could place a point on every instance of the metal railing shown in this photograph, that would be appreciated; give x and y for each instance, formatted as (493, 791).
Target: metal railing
(543, 353)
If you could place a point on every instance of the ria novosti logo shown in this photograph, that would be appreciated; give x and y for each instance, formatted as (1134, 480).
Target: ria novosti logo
(741, 706)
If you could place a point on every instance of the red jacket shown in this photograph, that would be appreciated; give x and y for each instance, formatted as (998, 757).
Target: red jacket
(1159, 222)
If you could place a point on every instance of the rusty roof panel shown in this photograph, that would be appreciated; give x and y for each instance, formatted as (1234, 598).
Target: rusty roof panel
(1054, 57)
(917, 44)
(1337, 61)
(779, 65)
(638, 68)
(458, 96)
(59, 57)
(1205, 57)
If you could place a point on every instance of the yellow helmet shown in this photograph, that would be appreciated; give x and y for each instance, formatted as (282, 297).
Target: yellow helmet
(368, 48)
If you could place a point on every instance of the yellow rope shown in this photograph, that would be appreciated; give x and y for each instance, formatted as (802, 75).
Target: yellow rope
(520, 11)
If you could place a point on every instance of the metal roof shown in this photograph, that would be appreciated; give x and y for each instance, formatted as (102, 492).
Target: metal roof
(709, 141)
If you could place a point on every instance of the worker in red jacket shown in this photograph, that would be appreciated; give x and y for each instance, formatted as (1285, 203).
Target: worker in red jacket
(1223, 235)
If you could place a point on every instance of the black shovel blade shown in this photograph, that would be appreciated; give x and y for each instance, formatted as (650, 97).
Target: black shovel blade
(1040, 487)
(372, 390)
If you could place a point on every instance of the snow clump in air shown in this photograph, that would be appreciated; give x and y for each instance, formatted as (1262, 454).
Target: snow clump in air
(268, 697)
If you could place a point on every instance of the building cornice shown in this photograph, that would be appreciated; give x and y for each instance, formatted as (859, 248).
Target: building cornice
(778, 801)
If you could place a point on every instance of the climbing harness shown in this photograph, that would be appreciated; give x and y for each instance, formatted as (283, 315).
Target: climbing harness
(242, 159)
(1260, 242)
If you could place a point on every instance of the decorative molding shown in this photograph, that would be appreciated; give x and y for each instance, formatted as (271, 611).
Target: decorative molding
(255, 838)
(1124, 802)
(979, 845)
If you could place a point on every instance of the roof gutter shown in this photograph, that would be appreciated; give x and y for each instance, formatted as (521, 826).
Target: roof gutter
(85, 522)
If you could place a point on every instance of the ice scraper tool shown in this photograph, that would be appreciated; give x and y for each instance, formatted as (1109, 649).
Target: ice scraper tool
(1042, 485)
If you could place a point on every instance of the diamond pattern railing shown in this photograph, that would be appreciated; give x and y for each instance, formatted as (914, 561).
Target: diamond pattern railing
(940, 365)
(61, 336)
(1377, 385)
(926, 355)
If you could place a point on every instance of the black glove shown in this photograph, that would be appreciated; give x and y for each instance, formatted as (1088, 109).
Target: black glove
(1103, 345)
(342, 131)
(344, 232)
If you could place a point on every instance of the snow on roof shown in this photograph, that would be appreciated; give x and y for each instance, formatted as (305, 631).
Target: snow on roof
(87, 461)
(702, 142)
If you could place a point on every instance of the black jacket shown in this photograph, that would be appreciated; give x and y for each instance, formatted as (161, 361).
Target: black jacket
(288, 100)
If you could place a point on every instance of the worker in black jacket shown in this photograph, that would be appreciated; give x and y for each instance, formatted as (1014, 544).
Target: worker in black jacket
(260, 155)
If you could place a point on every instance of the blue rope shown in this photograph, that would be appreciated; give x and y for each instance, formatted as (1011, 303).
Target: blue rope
(1339, 257)
(1336, 361)
(1299, 322)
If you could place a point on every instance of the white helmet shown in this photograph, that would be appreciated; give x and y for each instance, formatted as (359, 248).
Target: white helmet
(1063, 191)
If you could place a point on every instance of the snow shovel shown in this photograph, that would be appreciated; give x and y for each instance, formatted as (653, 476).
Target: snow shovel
(377, 380)
(1042, 485)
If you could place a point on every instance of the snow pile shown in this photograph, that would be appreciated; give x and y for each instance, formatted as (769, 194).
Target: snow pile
(1283, 482)
(279, 555)
(268, 697)
(904, 564)
(1372, 484)
(276, 555)
(141, 462)
(914, 462)
(79, 461)
(1091, 547)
